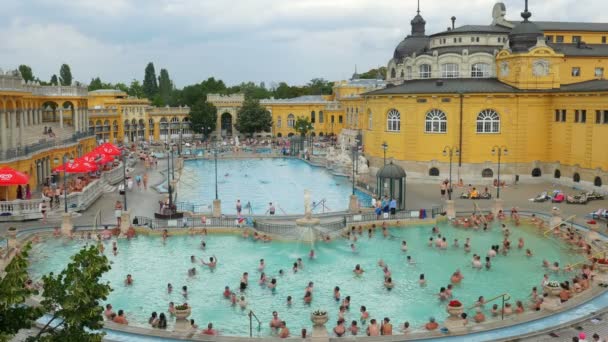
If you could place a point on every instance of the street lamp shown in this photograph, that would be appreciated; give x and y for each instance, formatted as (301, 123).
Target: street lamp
(65, 188)
(172, 164)
(124, 179)
(450, 151)
(169, 187)
(215, 157)
(384, 147)
(355, 150)
(500, 150)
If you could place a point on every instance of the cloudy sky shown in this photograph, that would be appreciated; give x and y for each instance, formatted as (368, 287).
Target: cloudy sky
(235, 40)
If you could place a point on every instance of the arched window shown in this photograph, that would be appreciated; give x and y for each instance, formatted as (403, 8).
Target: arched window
(393, 73)
(369, 119)
(291, 120)
(557, 174)
(436, 122)
(480, 70)
(408, 73)
(576, 177)
(402, 74)
(450, 70)
(425, 71)
(488, 121)
(393, 120)
(487, 173)
(279, 135)
(279, 122)
(597, 181)
(321, 119)
(434, 172)
(536, 172)
(320, 134)
(290, 134)
(312, 117)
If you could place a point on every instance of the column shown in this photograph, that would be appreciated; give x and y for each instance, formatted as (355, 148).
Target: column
(61, 117)
(21, 114)
(13, 117)
(3, 140)
(75, 119)
(30, 117)
(39, 116)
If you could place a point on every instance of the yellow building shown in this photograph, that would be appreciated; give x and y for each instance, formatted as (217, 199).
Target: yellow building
(26, 109)
(535, 89)
(118, 118)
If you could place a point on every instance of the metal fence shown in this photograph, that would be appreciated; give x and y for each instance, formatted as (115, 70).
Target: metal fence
(190, 222)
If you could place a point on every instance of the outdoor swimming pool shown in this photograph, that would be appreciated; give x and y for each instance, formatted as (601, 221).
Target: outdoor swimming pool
(281, 181)
(154, 264)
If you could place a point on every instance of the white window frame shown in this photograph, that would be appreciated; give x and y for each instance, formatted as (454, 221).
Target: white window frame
(291, 120)
(450, 70)
(393, 121)
(480, 70)
(488, 122)
(370, 120)
(436, 122)
(425, 71)
(279, 122)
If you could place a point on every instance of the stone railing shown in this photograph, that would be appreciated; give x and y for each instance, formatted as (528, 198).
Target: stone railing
(63, 91)
(114, 176)
(15, 153)
(20, 210)
(102, 112)
(169, 110)
(218, 98)
(333, 106)
(81, 200)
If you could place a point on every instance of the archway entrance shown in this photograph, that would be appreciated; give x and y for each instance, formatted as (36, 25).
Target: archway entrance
(226, 124)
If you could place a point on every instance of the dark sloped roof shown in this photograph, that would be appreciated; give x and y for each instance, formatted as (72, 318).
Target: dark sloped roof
(571, 26)
(593, 85)
(474, 29)
(480, 86)
(410, 45)
(448, 86)
(391, 171)
(590, 50)
(458, 49)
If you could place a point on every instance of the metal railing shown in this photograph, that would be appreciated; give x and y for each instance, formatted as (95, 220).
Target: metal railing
(17, 152)
(191, 222)
(251, 317)
(505, 297)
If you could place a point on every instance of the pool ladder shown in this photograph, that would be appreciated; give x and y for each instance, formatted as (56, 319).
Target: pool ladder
(505, 297)
(251, 317)
(546, 233)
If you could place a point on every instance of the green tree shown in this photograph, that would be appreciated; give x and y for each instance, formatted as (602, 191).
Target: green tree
(285, 91)
(319, 86)
(379, 73)
(13, 314)
(150, 85)
(122, 87)
(203, 115)
(95, 84)
(165, 87)
(54, 80)
(135, 89)
(65, 75)
(73, 297)
(252, 118)
(303, 125)
(26, 72)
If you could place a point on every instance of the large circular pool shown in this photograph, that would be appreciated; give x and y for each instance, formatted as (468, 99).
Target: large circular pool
(153, 264)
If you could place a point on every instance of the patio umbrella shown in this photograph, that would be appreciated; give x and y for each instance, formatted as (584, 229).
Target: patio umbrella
(76, 166)
(9, 176)
(98, 158)
(109, 149)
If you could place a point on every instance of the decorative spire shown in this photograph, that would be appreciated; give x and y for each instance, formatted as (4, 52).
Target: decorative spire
(525, 14)
(418, 11)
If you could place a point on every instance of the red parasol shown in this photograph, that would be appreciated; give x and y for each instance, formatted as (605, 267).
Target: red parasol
(96, 157)
(76, 166)
(109, 149)
(10, 176)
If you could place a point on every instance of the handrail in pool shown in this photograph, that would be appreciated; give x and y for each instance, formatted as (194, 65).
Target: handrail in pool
(558, 224)
(252, 315)
(505, 296)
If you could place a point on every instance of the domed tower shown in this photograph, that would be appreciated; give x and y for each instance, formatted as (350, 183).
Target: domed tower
(525, 34)
(414, 42)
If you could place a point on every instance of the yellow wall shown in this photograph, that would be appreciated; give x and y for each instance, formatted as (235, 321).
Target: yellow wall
(587, 37)
(587, 67)
(281, 112)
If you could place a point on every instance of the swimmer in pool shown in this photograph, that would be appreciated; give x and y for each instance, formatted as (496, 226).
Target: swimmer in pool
(403, 246)
(410, 260)
(358, 270)
(422, 281)
(212, 262)
(261, 265)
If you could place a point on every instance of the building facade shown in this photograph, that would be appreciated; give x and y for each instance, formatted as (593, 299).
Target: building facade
(537, 90)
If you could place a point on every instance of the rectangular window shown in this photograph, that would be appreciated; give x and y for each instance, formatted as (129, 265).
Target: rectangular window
(557, 115)
(559, 39)
(450, 70)
(583, 116)
(549, 39)
(603, 39)
(425, 71)
(576, 113)
(460, 40)
(598, 116)
(599, 72)
(279, 123)
(455, 40)
(576, 71)
(477, 39)
(605, 117)
(340, 119)
(472, 39)
(576, 39)
(564, 114)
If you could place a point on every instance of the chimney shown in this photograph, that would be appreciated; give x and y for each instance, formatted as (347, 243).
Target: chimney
(453, 22)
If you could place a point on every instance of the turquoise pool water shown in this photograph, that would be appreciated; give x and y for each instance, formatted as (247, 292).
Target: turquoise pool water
(154, 264)
(260, 181)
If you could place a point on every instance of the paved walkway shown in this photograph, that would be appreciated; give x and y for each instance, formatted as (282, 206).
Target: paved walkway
(598, 325)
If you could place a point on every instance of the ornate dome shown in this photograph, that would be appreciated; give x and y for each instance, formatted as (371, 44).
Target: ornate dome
(391, 171)
(416, 42)
(525, 34)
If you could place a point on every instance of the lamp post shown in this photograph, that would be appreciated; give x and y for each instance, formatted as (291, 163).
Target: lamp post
(450, 151)
(500, 150)
(354, 148)
(172, 165)
(215, 158)
(65, 188)
(169, 187)
(384, 147)
(124, 179)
